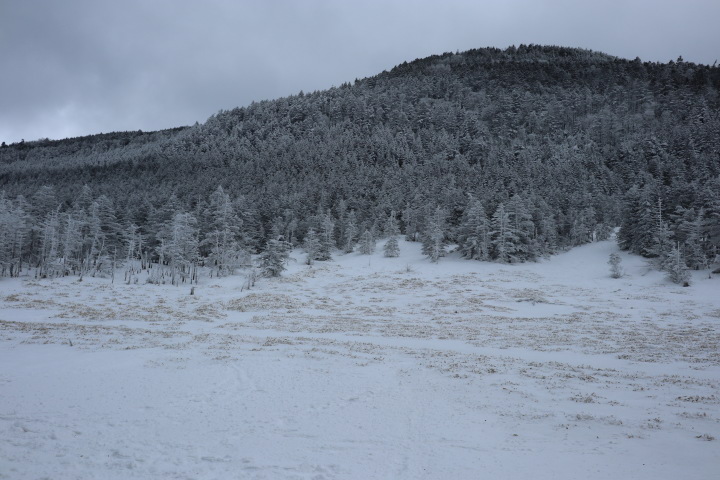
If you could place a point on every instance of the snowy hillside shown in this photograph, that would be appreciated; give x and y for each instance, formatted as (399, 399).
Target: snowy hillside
(366, 367)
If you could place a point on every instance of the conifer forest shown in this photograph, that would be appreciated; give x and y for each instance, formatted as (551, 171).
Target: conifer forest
(506, 155)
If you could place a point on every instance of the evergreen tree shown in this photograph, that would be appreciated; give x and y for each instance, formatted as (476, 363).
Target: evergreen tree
(616, 270)
(350, 232)
(179, 247)
(44, 201)
(367, 243)
(391, 247)
(109, 224)
(413, 216)
(274, 257)
(326, 237)
(694, 239)
(433, 240)
(523, 227)
(71, 243)
(639, 226)
(675, 267)
(311, 246)
(50, 244)
(474, 234)
(133, 240)
(503, 238)
(14, 230)
(221, 239)
(711, 227)
(583, 227)
(662, 243)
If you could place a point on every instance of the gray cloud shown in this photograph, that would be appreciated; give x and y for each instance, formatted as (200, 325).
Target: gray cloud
(78, 67)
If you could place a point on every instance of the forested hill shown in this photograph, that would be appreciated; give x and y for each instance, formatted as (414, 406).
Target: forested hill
(509, 153)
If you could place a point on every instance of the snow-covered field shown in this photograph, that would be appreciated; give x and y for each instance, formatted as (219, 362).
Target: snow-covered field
(366, 367)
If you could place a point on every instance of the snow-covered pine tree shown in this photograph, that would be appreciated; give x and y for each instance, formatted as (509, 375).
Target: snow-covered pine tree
(109, 225)
(433, 240)
(661, 240)
(223, 233)
(638, 224)
(13, 231)
(413, 218)
(133, 240)
(675, 267)
(474, 234)
(311, 246)
(50, 244)
(582, 229)
(689, 232)
(662, 245)
(392, 230)
(503, 238)
(273, 258)
(350, 231)
(616, 270)
(44, 202)
(71, 243)
(522, 224)
(12, 228)
(326, 237)
(711, 227)
(182, 247)
(367, 243)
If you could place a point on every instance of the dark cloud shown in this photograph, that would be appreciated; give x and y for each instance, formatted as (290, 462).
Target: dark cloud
(85, 66)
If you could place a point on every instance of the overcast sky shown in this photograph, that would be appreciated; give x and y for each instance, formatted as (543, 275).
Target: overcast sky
(77, 67)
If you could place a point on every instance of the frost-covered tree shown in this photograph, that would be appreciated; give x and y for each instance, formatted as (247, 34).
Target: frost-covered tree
(675, 267)
(433, 240)
(392, 230)
(616, 270)
(367, 242)
(689, 231)
(311, 246)
(639, 225)
(133, 240)
(44, 201)
(474, 232)
(582, 229)
(662, 243)
(14, 229)
(326, 237)
(221, 239)
(50, 244)
(72, 243)
(110, 226)
(180, 247)
(523, 227)
(273, 258)
(413, 216)
(391, 249)
(349, 233)
(503, 238)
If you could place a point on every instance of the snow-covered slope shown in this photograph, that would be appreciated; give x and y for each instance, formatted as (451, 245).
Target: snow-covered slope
(366, 367)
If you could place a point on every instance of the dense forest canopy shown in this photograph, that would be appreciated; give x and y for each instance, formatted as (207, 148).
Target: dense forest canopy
(510, 154)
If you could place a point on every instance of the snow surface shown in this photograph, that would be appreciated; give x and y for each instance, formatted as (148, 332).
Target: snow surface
(366, 367)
